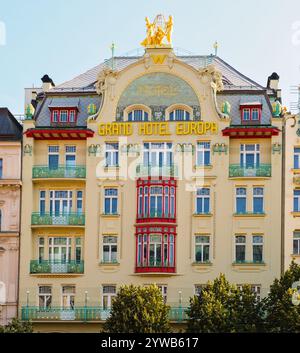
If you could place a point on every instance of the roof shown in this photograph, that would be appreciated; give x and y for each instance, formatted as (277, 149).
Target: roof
(232, 78)
(10, 128)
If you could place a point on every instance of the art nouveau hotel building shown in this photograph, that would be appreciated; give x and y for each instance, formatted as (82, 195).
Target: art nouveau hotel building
(154, 169)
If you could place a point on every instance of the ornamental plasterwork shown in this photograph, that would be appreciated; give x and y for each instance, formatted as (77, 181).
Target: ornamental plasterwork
(106, 82)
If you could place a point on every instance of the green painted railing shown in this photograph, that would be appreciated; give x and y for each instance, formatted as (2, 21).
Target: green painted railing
(71, 219)
(47, 266)
(148, 170)
(84, 313)
(61, 172)
(261, 170)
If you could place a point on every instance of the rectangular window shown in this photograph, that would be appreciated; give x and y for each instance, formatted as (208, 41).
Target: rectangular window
(112, 154)
(256, 289)
(55, 116)
(41, 248)
(198, 288)
(202, 248)
(64, 116)
(78, 250)
(164, 292)
(246, 114)
(258, 200)
(70, 156)
(203, 153)
(111, 201)
(297, 158)
(79, 202)
(110, 249)
(257, 248)
(42, 202)
(1, 168)
(158, 154)
(60, 249)
(241, 200)
(240, 248)
(45, 297)
(297, 200)
(60, 203)
(255, 114)
(156, 201)
(72, 116)
(249, 155)
(68, 297)
(109, 292)
(53, 157)
(296, 243)
(203, 201)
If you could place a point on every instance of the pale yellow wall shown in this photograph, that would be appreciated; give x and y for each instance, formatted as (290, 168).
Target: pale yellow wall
(221, 225)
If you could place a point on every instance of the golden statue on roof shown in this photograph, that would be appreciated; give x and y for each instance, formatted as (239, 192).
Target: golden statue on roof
(159, 33)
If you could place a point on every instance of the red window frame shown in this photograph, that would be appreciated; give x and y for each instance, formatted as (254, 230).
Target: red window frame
(170, 183)
(59, 110)
(162, 230)
(251, 108)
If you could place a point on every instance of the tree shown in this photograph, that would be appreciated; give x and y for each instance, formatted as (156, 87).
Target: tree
(17, 326)
(222, 307)
(281, 314)
(138, 309)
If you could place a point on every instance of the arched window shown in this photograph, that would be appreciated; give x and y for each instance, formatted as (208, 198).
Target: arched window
(179, 113)
(138, 113)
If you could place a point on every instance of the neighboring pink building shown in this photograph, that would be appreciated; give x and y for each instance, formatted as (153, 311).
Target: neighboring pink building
(10, 191)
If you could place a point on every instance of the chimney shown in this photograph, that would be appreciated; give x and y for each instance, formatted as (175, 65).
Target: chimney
(273, 81)
(47, 83)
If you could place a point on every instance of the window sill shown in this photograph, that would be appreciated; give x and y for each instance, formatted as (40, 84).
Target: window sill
(248, 264)
(202, 263)
(207, 167)
(110, 215)
(101, 263)
(295, 214)
(250, 214)
(202, 215)
(295, 170)
(111, 167)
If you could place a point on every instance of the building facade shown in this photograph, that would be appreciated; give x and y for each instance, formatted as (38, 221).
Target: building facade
(10, 193)
(152, 169)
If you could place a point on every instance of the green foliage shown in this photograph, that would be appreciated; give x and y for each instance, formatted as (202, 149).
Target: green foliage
(17, 326)
(138, 309)
(281, 314)
(222, 307)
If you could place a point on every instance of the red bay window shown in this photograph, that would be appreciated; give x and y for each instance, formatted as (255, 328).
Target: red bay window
(63, 115)
(156, 200)
(155, 249)
(251, 113)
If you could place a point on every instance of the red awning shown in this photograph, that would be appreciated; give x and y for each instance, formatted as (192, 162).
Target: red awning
(59, 134)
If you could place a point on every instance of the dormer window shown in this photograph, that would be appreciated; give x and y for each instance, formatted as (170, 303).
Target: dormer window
(138, 115)
(251, 113)
(63, 116)
(137, 112)
(179, 112)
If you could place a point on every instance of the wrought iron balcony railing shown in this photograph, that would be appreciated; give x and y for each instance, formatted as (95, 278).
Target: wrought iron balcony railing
(151, 170)
(68, 219)
(48, 266)
(261, 170)
(84, 313)
(61, 171)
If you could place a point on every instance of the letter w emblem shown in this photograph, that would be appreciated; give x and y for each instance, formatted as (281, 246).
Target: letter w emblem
(158, 59)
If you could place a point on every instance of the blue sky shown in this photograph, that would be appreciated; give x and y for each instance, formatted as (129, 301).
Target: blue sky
(64, 38)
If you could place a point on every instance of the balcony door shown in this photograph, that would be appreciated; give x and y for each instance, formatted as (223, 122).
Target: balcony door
(68, 303)
(156, 201)
(60, 206)
(249, 156)
(59, 254)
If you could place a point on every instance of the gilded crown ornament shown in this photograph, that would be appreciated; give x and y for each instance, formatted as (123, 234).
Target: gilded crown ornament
(158, 33)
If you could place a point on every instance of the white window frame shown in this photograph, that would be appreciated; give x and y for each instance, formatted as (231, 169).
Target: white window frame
(201, 148)
(112, 154)
(70, 150)
(257, 244)
(202, 245)
(108, 295)
(70, 296)
(240, 244)
(244, 152)
(110, 245)
(45, 296)
(203, 197)
(164, 291)
(111, 197)
(262, 196)
(63, 113)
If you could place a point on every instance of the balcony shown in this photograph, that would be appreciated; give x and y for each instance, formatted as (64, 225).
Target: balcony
(156, 215)
(158, 267)
(85, 313)
(261, 170)
(62, 172)
(156, 171)
(47, 219)
(56, 267)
